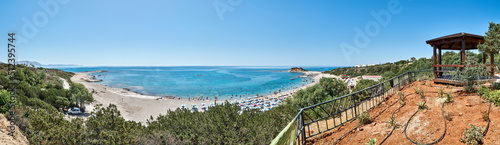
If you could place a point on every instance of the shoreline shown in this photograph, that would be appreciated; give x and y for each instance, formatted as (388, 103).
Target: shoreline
(139, 107)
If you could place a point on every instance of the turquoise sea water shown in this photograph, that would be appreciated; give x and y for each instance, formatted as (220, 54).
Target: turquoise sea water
(195, 81)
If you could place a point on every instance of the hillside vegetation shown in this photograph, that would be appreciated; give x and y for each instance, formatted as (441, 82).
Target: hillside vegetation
(389, 70)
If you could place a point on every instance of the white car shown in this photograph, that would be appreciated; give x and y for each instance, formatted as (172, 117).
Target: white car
(75, 110)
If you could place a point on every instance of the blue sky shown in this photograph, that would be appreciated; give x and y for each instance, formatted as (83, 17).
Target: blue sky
(241, 33)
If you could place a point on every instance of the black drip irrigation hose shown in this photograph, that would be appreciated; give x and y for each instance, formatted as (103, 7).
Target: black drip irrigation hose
(489, 120)
(343, 136)
(442, 136)
(394, 127)
(488, 126)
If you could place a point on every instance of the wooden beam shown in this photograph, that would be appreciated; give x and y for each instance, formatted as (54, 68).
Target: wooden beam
(447, 41)
(448, 65)
(451, 45)
(474, 39)
(457, 48)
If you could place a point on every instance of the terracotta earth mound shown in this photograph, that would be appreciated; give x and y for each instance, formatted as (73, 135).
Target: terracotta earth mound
(427, 125)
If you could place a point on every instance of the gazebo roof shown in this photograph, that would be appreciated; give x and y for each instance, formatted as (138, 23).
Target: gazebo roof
(449, 41)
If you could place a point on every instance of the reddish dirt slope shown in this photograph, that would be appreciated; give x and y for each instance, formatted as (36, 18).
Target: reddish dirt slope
(427, 125)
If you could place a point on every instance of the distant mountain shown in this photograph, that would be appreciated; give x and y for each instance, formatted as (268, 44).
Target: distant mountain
(37, 64)
(60, 65)
(29, 63)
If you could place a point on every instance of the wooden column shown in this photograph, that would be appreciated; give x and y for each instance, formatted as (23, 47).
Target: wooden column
(434, 56)
(462, 50)
(440, 63)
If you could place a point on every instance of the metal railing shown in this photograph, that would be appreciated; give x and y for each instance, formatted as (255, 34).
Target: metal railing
(325, 116)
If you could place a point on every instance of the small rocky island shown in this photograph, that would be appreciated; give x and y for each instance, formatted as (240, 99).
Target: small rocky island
(297, 69)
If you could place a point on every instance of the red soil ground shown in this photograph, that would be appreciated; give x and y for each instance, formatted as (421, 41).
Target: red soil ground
(427, 125)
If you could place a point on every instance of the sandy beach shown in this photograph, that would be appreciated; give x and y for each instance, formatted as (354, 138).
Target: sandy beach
(138, 107)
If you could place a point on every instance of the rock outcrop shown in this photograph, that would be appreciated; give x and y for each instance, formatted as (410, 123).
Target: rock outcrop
(297, 69)
(5, 139)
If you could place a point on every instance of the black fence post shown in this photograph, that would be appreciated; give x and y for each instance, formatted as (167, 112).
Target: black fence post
(354, 98)
(303, 132)
(392, 83)
(414, 79)
(297, 131)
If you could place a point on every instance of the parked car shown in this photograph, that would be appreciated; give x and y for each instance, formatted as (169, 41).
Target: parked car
(75, 110)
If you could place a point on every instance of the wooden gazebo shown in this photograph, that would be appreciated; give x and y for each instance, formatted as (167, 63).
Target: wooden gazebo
(460, 41)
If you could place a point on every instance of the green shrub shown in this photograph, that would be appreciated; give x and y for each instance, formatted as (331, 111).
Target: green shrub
(364, 118)
(421, 105)
(39, 104)
(4, 101)
(496, 85)
(441, 93)
(325, 90)
(417, 90)
(420, 92)
(473, 135)
(484, 92)
(372, 141)
(401, 96)
(392, 122)
(495, 97)
(485, 116)
(471, 74)
(449, 98)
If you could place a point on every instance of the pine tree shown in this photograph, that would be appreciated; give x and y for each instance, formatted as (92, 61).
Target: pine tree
(491, 40)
